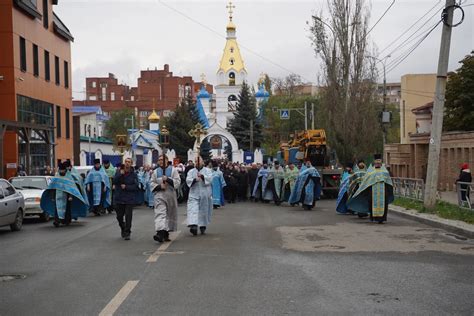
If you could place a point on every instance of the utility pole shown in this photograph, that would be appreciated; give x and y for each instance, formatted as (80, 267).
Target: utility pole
(384, 128)
(305, 117)
(312, 115)
(251, 136)
(431, 187)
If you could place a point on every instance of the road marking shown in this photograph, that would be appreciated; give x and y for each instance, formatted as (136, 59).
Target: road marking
(162, 248)
(119, 298)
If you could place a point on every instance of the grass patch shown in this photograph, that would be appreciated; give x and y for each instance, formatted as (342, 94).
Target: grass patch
(443, 209)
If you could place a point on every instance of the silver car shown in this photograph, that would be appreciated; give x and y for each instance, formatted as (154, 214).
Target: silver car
(12, 206)
(32, 187)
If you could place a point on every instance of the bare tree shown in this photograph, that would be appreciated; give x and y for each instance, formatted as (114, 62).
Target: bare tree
(349, 103)
(288, 85)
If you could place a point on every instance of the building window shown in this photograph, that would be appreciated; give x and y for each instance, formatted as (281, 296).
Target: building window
(47, 73)
(68, 133)
(56, 70)
(32, 110)
(45, 14)
(231, 49)
(66, 74)
(35, 60)
(104, 94)
(112, 96)
(58, 121)
(94, 84)
(231, 79)
(93, 98)
(232, 61)
(132, 98)
(22, 54)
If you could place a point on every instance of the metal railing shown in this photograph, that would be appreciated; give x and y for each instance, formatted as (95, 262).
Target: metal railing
(464, 191)
(409, 188)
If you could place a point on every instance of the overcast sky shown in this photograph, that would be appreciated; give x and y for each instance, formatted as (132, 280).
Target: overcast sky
(126, 36)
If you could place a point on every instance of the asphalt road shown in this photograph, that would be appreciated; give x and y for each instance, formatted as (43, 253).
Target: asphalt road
(256, 259)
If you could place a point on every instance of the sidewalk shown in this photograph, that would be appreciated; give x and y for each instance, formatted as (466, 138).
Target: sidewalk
(454, 226)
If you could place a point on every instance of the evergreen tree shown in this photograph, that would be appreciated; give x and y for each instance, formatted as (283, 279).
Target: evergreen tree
(179, 124)
(459, 114)
(205, 149)
(245, 111)
(115, 125)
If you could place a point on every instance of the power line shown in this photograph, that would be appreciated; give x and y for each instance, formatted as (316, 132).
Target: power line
(411, 26)
(414, 47)
(222, 36)
(395, 60)
(389, 7)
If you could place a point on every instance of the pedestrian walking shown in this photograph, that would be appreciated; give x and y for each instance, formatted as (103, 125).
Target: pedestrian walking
(126, 186)
(164, 180)
(199, 210)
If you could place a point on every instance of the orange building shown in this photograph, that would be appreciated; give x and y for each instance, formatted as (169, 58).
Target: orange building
(35, 86)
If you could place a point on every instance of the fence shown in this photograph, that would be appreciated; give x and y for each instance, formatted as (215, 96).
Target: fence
(464, 191)
(409, 188)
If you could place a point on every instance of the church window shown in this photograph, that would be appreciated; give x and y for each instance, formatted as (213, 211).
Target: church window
(232, 79)
(231, 49)
(231, 61)
(232, 97)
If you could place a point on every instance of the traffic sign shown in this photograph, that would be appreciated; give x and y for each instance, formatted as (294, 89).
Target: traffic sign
(285, 114)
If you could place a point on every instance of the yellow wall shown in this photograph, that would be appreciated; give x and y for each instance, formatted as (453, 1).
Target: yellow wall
(417, 90)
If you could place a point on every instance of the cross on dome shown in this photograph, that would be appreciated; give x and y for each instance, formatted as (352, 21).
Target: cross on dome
(230, 6)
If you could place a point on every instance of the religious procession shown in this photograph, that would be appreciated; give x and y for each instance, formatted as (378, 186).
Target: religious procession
(206, 185)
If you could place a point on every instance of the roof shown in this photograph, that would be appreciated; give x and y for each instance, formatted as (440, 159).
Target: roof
(103, 140)
(203, 93)
(61, 29)
(153, 116)
(202, 114)
(231, 58)
(424, 108)
(86, 109)
(28, 7)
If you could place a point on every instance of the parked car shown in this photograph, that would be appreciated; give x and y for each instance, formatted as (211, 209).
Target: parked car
(32, 187)
(12, 206)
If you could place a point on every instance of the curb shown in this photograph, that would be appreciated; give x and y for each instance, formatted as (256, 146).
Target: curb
(453, 226)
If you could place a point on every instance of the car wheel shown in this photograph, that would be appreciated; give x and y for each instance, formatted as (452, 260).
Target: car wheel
(16, 226)
(44, 217)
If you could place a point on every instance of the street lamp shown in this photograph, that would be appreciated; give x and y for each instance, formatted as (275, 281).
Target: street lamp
(90, 154)
(164, 142)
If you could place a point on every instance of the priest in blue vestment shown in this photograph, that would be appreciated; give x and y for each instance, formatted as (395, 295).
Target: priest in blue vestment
(98, 188)
(63, 199)
(307, 187)
(260, 192)
(218, 184)
(374, 194)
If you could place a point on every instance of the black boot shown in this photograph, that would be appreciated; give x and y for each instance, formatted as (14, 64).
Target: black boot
(193, 229)
(122, 230)
(166, 235)
(159, 236)
(203, 230)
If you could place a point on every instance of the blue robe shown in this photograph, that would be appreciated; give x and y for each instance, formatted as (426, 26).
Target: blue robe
(141, 188)
(199, 210)
(97, 178)
(306, 190)
(54, 198)
(260, 186)
(218, 184)
(341, 206)
(149, 199)
(374, 194)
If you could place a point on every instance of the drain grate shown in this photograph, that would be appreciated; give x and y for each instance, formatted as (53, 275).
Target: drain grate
(11, 277)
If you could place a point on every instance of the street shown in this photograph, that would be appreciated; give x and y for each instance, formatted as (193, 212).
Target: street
(256, 259)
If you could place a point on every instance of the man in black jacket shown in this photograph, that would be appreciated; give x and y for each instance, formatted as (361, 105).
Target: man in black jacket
(126, 187)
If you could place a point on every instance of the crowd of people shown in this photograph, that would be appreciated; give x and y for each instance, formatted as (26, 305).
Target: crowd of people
(203, 184)
(206, 185)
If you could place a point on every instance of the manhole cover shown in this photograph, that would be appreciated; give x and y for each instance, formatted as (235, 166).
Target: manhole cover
(11, 277)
